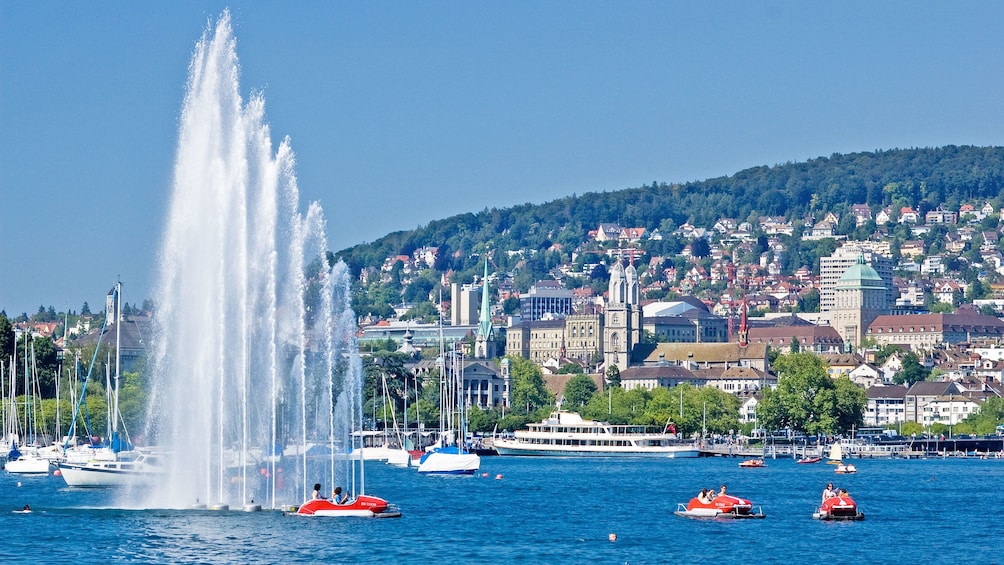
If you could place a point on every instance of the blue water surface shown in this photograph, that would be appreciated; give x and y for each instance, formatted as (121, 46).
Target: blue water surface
(545, 510)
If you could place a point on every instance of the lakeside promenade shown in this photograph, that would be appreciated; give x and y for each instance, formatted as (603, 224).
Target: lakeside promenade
(912, 448)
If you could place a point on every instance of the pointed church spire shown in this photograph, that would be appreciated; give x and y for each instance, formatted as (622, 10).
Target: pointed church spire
(743, 325)
(485, 319)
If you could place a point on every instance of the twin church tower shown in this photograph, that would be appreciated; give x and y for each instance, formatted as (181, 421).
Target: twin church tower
(622, 319)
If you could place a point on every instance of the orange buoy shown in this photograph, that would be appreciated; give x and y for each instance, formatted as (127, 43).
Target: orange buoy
(57, 473)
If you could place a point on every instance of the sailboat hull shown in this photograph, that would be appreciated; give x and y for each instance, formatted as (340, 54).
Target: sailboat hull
(28, 466)
(116, 473)
(446, 463)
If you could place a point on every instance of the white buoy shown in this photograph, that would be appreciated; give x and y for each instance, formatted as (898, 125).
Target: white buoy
(220, 506)
(252, 507)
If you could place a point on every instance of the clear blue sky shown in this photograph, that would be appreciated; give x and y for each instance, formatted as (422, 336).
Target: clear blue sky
(405, 112)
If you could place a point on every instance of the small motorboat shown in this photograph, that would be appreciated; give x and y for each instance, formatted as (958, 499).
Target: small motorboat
(363, 506)
(807, 460)
(723, 506)
(840, 507)
(845, 469)
(753, 463)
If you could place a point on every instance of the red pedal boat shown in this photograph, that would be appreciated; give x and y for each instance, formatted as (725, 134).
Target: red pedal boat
(750, 463)
(364, 505)
(806, 460)
(724, 506)
(840, 507)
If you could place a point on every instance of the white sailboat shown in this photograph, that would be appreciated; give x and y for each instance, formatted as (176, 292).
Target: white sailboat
(836, 454)
(450, 455)
(25, 460)
(117, 464)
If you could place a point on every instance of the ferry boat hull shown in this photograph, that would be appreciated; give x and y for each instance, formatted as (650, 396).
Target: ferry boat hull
(671, 452)
(566, 434)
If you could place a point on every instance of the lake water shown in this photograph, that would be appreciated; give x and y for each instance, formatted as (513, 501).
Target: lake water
(547, 510)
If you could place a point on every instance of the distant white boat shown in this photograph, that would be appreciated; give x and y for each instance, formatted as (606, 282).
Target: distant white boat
(140, 469)
(567, 434)
(28, 462)
(449, 461)
(836, 454)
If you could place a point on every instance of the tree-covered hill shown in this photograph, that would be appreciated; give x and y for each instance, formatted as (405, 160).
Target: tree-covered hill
(922, 178)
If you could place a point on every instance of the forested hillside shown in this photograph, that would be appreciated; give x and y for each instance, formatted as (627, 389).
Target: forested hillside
(922, 178)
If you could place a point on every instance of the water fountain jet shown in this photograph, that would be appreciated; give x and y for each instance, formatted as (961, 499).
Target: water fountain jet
(255, 369)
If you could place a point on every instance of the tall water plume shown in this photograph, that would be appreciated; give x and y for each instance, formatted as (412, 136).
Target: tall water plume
(255, 367)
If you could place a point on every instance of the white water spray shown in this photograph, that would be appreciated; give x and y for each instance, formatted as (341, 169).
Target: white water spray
(255, 369)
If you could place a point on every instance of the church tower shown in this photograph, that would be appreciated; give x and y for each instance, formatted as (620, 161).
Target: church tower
(484, 347)
(622, 318)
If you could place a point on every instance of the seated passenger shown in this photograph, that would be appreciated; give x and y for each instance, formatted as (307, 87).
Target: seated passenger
(338, 497)
(702, 496)
(828, 492)
(711, 494)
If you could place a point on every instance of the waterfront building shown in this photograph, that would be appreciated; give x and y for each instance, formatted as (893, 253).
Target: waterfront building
(832, 268)
(464, 300)
(886, 405)
(923, 393)
(486, 384)
(859, 297)
(740, 381)
(949, 409)
(817, 339)
(663, 376)
(927, 331)
(702, 355)
(546, 299)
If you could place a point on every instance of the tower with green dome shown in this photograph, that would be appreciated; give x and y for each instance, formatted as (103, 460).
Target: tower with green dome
(859, 297)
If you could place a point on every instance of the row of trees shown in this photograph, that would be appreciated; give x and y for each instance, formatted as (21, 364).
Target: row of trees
(806, 399)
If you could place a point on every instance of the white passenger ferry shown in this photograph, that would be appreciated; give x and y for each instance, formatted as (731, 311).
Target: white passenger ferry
(567, 434)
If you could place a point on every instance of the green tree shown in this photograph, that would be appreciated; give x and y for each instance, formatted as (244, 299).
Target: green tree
(809, 301)
(913, 371)
(700, 247)
(528, 391)
(579, 390)
(6, 337)
(613, 375)
(807, 399)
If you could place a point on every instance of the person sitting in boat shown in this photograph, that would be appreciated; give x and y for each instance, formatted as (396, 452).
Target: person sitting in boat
(843, 492)
(26, 508)
(711, 494)
(317, 492)
(702, 496)
(722, 491)
(829, 491)
(337, 497)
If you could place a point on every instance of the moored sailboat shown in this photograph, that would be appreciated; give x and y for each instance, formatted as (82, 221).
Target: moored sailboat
(117, 464)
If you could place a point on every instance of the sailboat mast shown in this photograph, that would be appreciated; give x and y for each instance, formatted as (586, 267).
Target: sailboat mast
(118, 343)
